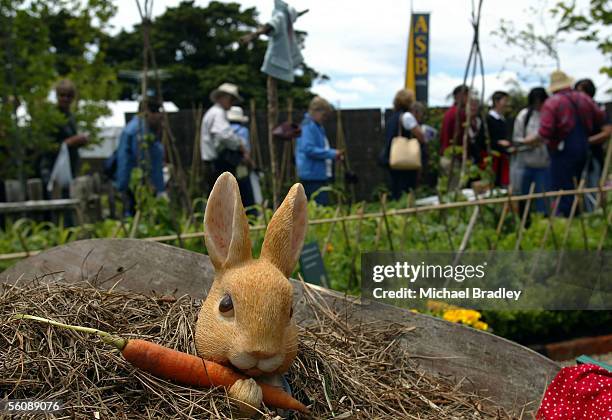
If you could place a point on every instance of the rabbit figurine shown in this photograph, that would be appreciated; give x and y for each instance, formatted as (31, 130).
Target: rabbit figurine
(246, 319)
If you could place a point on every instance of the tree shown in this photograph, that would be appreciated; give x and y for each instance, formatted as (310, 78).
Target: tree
(198, 47)
(540, 37)
(41, 42)
(590, 24)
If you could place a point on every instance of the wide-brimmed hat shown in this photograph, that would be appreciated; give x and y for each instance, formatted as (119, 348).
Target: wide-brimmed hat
(236, 114)
(227, 88)
(559, 81)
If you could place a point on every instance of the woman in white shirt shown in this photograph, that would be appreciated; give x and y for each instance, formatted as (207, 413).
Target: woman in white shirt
(532, 159)
(402, 181)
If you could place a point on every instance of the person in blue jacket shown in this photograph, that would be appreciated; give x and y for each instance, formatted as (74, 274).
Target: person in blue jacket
(314, 158)
(131, 153)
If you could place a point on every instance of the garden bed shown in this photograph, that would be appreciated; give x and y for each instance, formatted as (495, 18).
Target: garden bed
(345, 370)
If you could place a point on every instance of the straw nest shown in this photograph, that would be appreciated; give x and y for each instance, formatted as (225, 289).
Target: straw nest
(342, 370)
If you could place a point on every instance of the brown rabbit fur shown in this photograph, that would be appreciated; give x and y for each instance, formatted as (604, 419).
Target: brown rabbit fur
(258, 336)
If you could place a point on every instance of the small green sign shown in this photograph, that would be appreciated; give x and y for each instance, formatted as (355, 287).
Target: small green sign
(311, 265)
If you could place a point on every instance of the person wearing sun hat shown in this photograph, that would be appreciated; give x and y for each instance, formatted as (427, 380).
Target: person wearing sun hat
(567, 119)
(220, 147)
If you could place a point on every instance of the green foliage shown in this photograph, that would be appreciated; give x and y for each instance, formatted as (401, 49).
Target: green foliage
(344, 243)
(199, 48)
(588, 24)
(41, 42)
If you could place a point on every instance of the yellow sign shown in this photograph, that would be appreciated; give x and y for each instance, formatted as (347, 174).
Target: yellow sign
(417, 62)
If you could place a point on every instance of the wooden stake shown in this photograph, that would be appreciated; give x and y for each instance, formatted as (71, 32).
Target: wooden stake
(605, 233)
(254, 137)
(469, 230)
(330, 231)
(604, 171)
(383, 204)
(445, 222)
(357, 249)
(519, 238)
(272, 121)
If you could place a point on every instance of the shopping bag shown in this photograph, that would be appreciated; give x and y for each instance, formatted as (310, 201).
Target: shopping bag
(62, 171)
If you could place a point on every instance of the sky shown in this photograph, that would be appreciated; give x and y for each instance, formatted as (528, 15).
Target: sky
(361, 45)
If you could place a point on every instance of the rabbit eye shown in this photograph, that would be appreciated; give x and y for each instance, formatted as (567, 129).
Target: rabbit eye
(226, 306)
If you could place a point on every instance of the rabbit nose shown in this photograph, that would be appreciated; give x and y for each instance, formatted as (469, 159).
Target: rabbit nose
(262, 354)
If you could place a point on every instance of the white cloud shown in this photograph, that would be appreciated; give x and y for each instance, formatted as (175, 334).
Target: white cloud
(358, 84)
(336, 96)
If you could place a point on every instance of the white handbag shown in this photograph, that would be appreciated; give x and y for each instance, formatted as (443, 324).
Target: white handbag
(405, 153)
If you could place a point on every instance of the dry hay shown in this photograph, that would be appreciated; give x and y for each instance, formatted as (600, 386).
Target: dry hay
(342, 370)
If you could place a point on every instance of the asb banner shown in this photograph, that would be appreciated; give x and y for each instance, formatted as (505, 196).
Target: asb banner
(417, 63)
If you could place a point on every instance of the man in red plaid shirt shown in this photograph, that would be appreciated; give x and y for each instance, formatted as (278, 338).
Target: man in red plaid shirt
(567, 120)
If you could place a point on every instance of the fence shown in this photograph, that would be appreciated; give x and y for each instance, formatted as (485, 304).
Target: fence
(384, 215)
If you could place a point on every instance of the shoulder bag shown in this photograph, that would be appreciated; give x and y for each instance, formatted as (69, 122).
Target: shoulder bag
(405, 153)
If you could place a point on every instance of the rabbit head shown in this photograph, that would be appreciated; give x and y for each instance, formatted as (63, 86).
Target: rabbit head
(246, 319)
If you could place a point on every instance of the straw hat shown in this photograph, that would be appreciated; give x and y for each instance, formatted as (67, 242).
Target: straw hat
(227, 88)
(559, 81)
(236, 114)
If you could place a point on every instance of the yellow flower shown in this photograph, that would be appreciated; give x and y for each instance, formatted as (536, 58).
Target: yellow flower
(415, 311)
(481, 325)
(464, 316)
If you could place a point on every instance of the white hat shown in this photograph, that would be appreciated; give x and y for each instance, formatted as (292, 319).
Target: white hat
(227, 88)
(236, 114)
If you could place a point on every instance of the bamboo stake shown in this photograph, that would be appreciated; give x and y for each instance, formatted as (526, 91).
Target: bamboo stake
(378, 232)
(355, 252)
(331, 230)
(383, 204)
(411, 204)
(135, 224)
(549, 230)
(604, 171)
(605, 233)
(519, 238)
(469, 230)
(502, 219)
(445, 223)
(571, 217)
(568, 226)
(580, 199)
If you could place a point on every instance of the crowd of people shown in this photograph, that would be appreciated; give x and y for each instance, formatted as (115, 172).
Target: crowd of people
(555, 142)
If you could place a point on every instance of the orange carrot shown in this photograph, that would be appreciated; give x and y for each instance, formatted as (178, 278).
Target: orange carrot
(179, 367)
(187, 369)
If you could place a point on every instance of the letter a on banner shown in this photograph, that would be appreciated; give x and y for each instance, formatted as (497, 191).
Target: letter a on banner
(417, 61)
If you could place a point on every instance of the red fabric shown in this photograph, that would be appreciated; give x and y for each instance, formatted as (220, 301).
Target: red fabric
(557, 117)
(448, 128)
(581, 392)
(501, 168)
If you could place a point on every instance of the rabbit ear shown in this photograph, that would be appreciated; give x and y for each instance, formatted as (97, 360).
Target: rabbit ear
(226, 226)
(286, 231)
